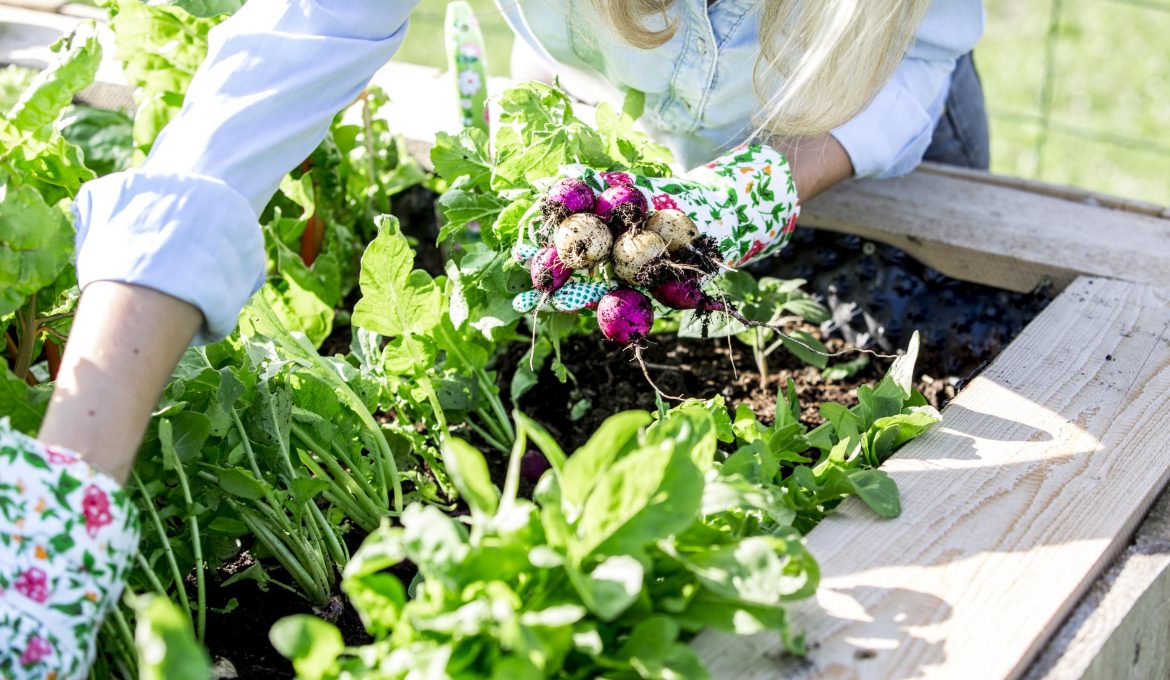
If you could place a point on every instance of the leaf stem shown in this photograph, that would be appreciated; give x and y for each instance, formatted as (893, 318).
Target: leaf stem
(376, 188)
(197, 549)
(28, 337)
(355, 404)
(512, 478)
(168, 552)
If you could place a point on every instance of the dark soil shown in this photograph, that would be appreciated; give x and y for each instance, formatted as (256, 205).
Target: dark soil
(610, 380)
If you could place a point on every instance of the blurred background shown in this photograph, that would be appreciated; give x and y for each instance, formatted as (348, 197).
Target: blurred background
(1078, 91)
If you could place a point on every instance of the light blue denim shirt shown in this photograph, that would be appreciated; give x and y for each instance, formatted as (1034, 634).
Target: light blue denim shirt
(185, 223)
(700, 90)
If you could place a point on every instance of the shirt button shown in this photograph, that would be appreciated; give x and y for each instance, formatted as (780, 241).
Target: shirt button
(702, 45)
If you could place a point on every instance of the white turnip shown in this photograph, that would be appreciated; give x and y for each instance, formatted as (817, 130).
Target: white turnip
(638, 257)
(582, 241)
(674, 227)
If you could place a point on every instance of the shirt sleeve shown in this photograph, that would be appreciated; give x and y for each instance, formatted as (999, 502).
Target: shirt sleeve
(890, 136)
(186, 222)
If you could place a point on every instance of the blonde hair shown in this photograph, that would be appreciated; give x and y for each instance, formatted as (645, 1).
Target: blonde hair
(821, 61)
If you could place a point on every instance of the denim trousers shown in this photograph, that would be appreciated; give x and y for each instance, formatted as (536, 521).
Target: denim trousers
(961, 135)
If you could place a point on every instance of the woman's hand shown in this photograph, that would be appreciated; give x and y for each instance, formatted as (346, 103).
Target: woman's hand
(746, 201)
(68, 534)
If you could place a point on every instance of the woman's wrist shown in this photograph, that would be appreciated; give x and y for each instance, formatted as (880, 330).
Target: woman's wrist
(123, 347)
(818, 163)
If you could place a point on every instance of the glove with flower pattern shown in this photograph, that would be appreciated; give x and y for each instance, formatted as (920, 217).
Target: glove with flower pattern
(745, 201)
(68, 533)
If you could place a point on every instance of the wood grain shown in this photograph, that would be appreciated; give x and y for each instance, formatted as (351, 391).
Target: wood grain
(1078, 194)
(1039, 474)
(1120, 628)
(999, 234)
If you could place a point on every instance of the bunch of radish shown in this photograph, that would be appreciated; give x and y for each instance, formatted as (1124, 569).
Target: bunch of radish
(663, 252)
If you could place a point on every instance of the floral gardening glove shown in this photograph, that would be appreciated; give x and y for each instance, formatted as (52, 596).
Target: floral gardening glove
(67, 535)
(745, 200)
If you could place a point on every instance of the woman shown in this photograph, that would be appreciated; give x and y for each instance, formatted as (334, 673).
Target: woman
(170, 252)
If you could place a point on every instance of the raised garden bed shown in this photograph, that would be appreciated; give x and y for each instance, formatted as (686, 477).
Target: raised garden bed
(1044, 465)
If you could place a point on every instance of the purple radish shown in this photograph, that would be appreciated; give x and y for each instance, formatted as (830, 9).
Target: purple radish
(684, 294)
(622, 207)
(582, 241)
(571, 195)
(533, 465)
(626, 317)
(567, 197)
(548, 272)
(688, 294)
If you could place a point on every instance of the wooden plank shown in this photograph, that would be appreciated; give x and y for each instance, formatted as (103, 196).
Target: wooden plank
(998, 235)
(1077, 194)
(1120, 628)
(1036, 479)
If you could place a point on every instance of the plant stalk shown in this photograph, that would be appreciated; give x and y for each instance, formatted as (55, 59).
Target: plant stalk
(162, 537)
(28, 338)
(197, 549)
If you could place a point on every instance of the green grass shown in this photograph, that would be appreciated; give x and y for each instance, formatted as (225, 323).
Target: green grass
(1104, 64)
(1108, 93)
(424, 36)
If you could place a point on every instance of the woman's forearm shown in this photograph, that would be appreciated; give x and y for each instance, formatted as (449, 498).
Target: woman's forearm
(123, 347)
(818, 163)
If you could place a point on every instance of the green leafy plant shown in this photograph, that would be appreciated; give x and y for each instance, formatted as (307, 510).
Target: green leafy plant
(606, 571)
(40, 172)
(658, 527)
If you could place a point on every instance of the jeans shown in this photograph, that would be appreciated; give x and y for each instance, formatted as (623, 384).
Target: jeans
(961, 135)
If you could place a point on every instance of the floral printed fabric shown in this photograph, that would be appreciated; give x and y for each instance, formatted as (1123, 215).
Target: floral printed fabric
(745, 199)
(67, 535)
(466, 60)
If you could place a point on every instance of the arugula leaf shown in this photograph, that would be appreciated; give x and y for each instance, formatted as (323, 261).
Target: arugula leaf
(646, 495)
(616, 438)
(310, 643)
(469, 472)
(461, 207)
(166, 642)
